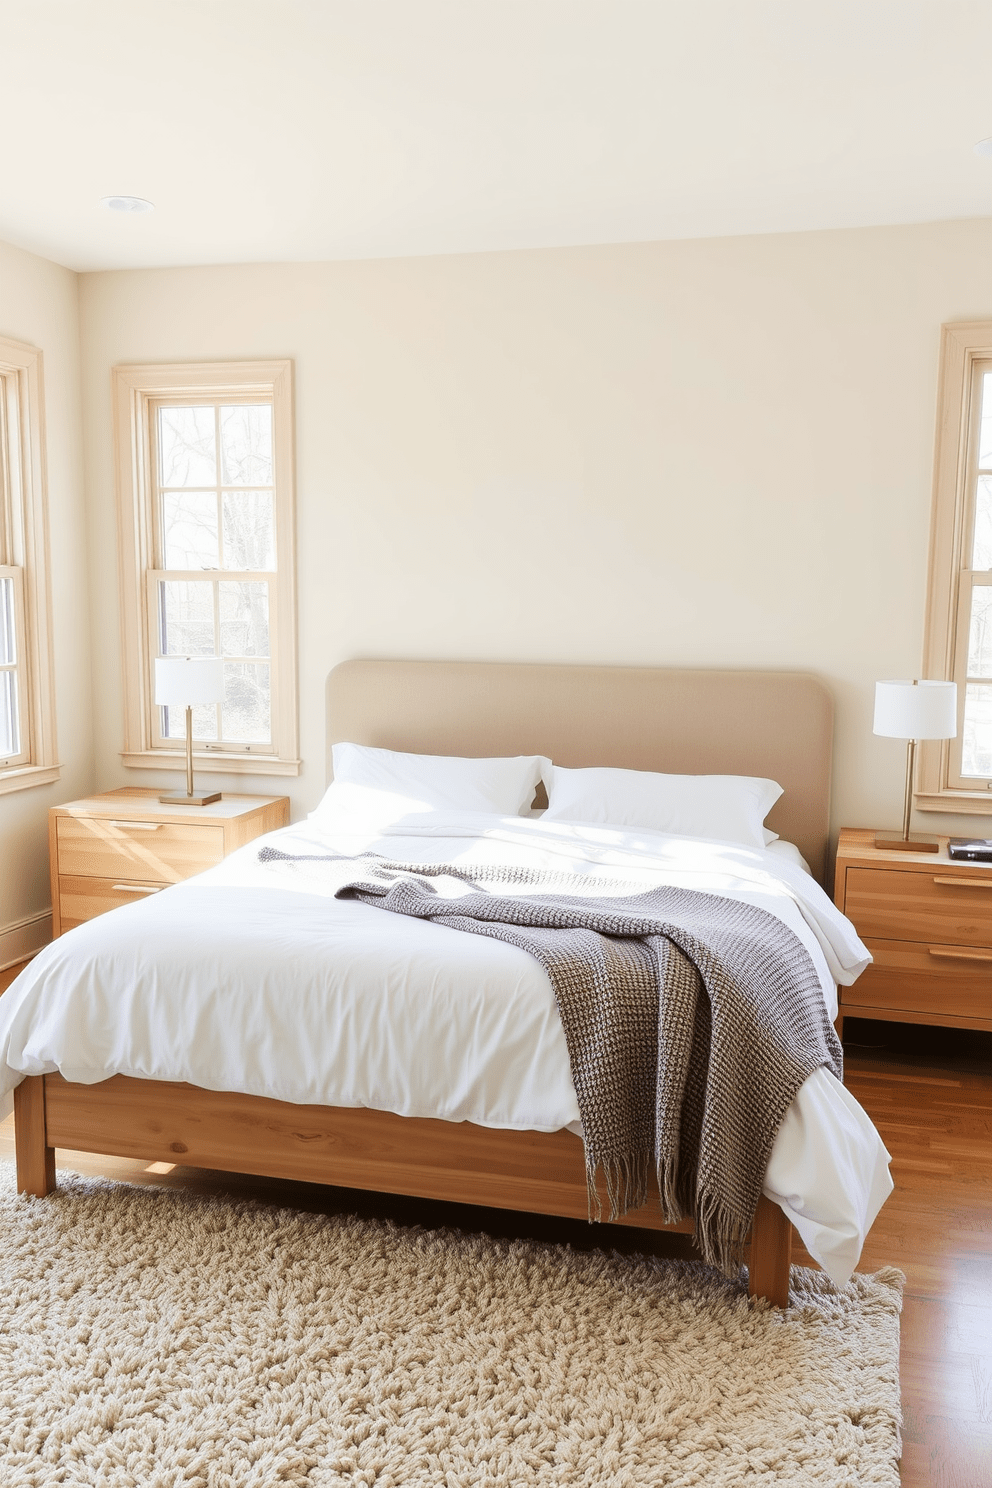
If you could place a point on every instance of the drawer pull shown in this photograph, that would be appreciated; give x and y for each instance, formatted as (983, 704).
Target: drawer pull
(129, 826)
(138, 888)
(949, 955)
(966, 883)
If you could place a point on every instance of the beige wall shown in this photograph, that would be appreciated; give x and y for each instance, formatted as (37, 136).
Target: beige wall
(711, 453)
(39, 304)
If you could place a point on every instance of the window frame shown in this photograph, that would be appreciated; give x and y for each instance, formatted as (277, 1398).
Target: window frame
(9, 571)
(138, 392)
(965, 347)
(24, 555)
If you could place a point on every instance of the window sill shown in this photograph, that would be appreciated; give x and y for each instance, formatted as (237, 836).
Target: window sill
(23, 777)
(956, 802)
(214, 763)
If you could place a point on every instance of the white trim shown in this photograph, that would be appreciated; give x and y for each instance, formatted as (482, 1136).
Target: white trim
(25, 775)
(216, 762)
(136, 390)
(19, 667)
(24, 544)
(23, 939)
(963, 345)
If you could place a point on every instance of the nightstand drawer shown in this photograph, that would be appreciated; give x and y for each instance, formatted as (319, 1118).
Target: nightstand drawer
(151, 852)
(924, 979)
(84, 898)
(942, 907)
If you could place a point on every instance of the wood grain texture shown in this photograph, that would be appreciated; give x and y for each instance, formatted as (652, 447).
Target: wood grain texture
(540, 1173)
(537, 1172)
(152, 852)
(81, 899)
(128, 836)
(928, 924)
(771, 1254)
(855, 847)
(930, 1093)
(893, 904)
(53, 874)
(934, 1112)
(940, 1019)
(925, 979)
(35, 1158)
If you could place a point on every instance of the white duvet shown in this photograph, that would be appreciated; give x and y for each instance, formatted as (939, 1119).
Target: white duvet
(254, 978)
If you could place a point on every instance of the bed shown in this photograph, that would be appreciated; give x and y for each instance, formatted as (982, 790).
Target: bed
(692, 722)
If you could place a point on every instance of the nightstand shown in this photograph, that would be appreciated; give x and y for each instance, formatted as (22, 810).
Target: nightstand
(110, 849)
(927, 921)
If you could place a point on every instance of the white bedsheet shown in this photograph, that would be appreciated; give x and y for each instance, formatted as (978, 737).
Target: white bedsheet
(253, 978)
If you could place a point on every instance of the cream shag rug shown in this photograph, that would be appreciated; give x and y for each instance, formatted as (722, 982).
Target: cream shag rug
(155, 1338)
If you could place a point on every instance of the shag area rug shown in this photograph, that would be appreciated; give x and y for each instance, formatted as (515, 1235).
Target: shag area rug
(151, 1337)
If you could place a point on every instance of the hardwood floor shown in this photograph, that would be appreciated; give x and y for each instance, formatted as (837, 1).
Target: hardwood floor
(929, 1092)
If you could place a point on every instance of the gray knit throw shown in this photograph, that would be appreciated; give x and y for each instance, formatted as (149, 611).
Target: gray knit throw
(691, 1022)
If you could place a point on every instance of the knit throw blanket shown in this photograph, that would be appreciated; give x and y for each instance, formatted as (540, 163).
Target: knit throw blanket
(691, 1021)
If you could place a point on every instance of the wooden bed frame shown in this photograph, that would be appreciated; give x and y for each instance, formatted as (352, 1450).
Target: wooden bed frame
(753, 723)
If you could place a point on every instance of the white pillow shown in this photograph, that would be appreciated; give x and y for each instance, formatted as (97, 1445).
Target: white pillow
(431, 782)
(730, 808)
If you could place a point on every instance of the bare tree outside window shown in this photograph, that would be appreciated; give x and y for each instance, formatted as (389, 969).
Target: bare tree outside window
(28, 752)
(976, 732)
(10, 727)
(216, 504)
(205, 488)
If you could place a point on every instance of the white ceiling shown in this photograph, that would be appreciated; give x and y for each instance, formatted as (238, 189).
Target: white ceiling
(267, 130)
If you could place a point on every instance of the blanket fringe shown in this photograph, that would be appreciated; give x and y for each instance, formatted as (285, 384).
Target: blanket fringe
(626, 1183)
(722, 1234)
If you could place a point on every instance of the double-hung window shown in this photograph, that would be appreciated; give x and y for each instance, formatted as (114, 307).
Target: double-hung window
(27, 703)
(15, 733)
(205, 462)
(957, 775)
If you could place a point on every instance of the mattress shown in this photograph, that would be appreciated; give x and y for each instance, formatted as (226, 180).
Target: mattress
(253, 978)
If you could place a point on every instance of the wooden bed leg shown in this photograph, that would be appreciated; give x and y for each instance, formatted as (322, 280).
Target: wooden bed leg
(771, 1254)
(35, 1159)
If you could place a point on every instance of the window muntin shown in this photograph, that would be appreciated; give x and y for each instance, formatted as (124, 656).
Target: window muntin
(970, 762)
(205, 492)
(27, 703)
(214, 504)
(956, 774)
(14, 717)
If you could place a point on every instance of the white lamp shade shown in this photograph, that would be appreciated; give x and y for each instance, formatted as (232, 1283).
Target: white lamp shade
(916, 710)
(186, 681)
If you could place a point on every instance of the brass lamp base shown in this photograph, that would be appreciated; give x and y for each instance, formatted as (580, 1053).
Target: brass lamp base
(888, 843)
(190, 798)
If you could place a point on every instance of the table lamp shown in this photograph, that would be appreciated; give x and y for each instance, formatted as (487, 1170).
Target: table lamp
(185, 681)
(913, 711)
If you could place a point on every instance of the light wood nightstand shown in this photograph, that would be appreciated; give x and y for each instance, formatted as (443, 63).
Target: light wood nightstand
(927, 921)
(108, 850)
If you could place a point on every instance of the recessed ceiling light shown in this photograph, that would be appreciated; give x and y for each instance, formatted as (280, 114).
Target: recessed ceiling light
(984, 147)
(127, 204)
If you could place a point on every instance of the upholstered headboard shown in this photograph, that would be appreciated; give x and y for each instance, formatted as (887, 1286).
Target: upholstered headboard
(776, 724)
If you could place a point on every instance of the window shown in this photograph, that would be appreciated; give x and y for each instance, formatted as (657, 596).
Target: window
(206, 499)
(957, 775)
(27, 705)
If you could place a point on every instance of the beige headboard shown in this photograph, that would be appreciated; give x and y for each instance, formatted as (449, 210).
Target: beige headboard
(776, 724)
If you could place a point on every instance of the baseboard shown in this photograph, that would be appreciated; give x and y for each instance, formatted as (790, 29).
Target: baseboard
(24, 938)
